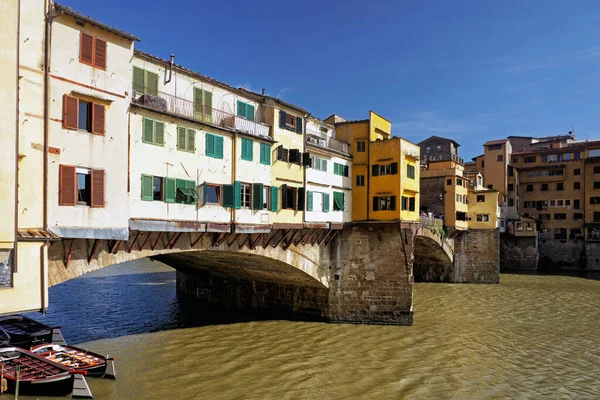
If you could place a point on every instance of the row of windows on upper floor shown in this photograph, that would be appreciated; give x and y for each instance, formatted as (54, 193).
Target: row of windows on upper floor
(459, 182)
(550, 157)
(544, 204)
(392, 169)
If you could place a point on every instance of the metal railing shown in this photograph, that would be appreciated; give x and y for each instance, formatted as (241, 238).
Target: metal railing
(328, 143)
(175, 105)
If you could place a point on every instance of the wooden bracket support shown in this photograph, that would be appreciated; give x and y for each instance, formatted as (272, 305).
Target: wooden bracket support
(68, 258)
(253, 245)
(195, 242)
(146, 240)
(283, 236)
(137, 235)
(331, 237)
(245, 240)
(324, 237)
(94, 250)
(157, 240)
(116, 246)
(237, 235)
(178, 236)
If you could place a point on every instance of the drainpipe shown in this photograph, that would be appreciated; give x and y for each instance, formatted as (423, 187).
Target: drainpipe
(171, 62)
(16, 216)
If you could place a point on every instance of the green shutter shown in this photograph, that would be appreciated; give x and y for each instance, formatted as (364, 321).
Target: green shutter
(228, 196)
(170, 190)
(241, 108)
(323, 165)
(346, 170)
(283, 197)
(257, 196)
(339, 200)
(197, 103)
(325, 202)
(148, 128)
(151, 83)
(309, 201)
(265, 154)
(237, 195)
(159, 137)
(250, 112)
(403, 203)
(274, 198)
(181, 138)
(247, 149)
(191, 140)
(191, 188)
(210, 145)
(147, 187)
(299, 125)
(207, 106)
(219, 147)
(138, 81)
(180, 186)
(282, 116)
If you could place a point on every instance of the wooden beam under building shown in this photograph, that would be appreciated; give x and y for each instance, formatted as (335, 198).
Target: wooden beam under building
(157, 240)
(94, 250)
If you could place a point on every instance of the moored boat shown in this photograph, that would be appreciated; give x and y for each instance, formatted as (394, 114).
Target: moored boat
(4, 337)
(76, 358)
(37, 376)
(24, 332)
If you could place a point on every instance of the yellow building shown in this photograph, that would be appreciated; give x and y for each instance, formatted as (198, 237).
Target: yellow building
(386, 170)
(484, 212)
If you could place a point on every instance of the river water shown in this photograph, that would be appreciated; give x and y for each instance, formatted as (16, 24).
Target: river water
(531, 337)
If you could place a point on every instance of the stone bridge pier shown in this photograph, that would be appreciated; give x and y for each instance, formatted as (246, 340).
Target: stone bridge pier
(359, 274)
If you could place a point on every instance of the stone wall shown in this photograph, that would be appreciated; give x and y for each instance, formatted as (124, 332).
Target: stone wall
(430, 191)
(431, 264)
(477, 256)
(592, 255)
(555, 254)
(518, 253)
(371, 274)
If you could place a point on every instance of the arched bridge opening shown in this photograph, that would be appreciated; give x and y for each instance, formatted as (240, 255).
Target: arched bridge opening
(432, 262)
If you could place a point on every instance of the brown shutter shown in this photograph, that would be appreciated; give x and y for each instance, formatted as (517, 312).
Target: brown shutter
(86, 48)
(98, 117)
(97, 188)
(100, 54)
(67, 185)
(70, 111)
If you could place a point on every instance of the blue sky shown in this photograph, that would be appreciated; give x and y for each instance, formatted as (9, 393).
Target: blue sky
(458, 69)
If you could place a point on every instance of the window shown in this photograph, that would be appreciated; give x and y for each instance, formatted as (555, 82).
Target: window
(482, 163)
(576, 155)
(597, 169)
(544, 187)
(247, 145)
(545, 217)
(265, 154)
(529, 188)
(545, 158)
(157, 188)
(500, 157)
(214, 146)
(511, 187)
(245, 110)
(186, 191)
(319, 164)
(290, 122)
(541, 205)
(483, 218)
(144, 82)
(560, 216)
(153, 132)
(92, 51)
(577, 216)
(511, 202)
(560, 186)
(596, 216)
(315, 201)
(338, 201)
(459, 182)
(596, 185)
(491, 187)
(289, 197)
(202, 105)
(552, 157)
(341, 169)
(511, 171)
(282, 154)
(481, 198)
(294, 156)
(495, 147)
(267, 197)
(576, 185)
(576, 204)
(246, 195)
(83, 115)
(459, 198)
(81, 186)
(449, 182)
(552, 203)
(410, 171)
(560, 203)
(212, 194)
(594, 200)
(529, 204)
(407, 203)
(515, 160)
(461, 216)
(384, 203)
(438, 148)
(361, 146)
(385, 169)
(186, 139)
(577, 171)
(428, 150)
(360, 180)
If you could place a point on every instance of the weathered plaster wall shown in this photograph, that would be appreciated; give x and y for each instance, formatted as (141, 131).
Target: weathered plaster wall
(560, 254)
(518, 253)
(477, 257)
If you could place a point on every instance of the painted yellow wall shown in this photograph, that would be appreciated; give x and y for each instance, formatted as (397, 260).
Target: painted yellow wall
(409, 155)
(379, 127)
(494, 170)
(453, 171)
(487, 207)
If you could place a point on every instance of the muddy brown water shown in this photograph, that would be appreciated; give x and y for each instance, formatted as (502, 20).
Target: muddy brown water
(531, 337)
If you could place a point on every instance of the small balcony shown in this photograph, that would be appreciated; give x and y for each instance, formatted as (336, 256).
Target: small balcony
(168, 103)
(327, 143)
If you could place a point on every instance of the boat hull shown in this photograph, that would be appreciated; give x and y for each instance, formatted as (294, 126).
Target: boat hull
(59, 386)
(24, 332)
(47, 350)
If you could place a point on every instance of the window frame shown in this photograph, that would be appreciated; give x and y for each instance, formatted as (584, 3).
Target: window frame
(360, 181)
(94, 51)
(155, 123)
(361, 146)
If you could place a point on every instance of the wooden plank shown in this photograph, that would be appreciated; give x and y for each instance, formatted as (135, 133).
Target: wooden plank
(134, 241)
(157, 240)
(94, 250)
(146, 241)
(253, 245)
(69, 254)
(176, 240)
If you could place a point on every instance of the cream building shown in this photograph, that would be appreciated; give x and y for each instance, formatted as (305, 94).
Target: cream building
(328, 175)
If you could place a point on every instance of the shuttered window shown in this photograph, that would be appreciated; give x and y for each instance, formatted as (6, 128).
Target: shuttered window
(257, 196)
(97, 188)
(214, 146)
(82, 115)
(245, 110)
(247, 145)
(186, 139)
(67, 191)
(340, 169)
(89, 192)
(228, 200)
(274, 198)
(153, 132)
(186, 191)
(410, 171)
(325, 202)
(202, 105)
(338, 201)
(144, 82)
(265, 154)
(92, 51)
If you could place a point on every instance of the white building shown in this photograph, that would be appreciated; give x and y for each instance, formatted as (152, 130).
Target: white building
(186, 174)
(87, 166)
(328, 175)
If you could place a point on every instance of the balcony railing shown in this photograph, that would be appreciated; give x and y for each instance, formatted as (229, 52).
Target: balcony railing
(164, 102)
(328, 143)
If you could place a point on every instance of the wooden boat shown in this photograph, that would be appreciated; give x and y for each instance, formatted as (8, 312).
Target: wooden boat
(24, 332)
(4, 337)
(37, 376)
(76, 358)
